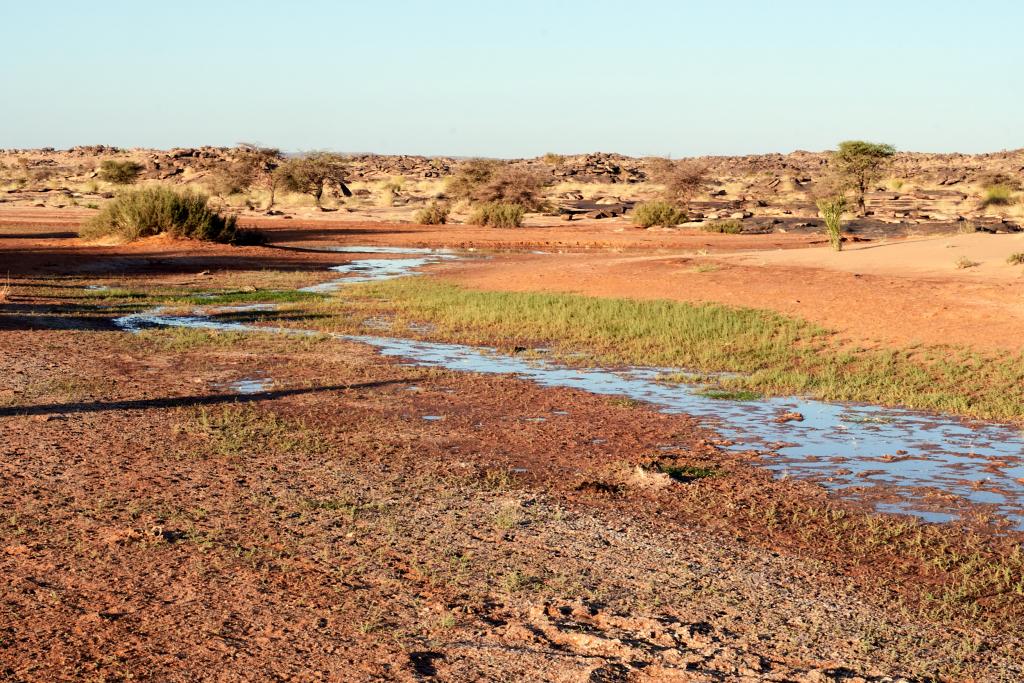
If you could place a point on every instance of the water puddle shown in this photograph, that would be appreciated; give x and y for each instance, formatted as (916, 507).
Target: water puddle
(247, 386)
(903, 461)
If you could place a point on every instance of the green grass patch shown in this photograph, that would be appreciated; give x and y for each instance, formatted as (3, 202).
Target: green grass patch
(257, 296)
(731, 395)
(779, 355)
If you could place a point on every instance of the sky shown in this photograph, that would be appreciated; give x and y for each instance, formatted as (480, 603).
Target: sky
(513, 78)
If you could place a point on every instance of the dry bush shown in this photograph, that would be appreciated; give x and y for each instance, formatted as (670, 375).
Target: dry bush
(682, 180)
(488, 180)
(5, 290)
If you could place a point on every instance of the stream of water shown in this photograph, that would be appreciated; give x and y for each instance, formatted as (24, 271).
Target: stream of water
(903, 461)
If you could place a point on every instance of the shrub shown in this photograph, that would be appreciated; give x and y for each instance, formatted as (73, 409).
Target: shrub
(726, 227)
(155, 210)
(657, 213)
(498, 215)
(832, 209)
(997, 195)
(120, 172)
(433, 214)
(1016, 259)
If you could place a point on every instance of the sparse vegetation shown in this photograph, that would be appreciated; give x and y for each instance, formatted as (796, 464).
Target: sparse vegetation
(435, 213)
(858, 164)
(832, 209)
(5, 290)
(498, 215)
(1016, 259)
(120, 172)
(160, 210)
(649, 214)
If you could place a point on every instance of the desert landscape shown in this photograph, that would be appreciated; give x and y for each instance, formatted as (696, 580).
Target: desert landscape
(533, 342)
(566, 418)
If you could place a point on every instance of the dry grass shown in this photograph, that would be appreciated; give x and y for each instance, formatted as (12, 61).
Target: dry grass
(5, 290)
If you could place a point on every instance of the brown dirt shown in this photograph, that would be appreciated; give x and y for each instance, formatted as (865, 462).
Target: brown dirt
(156, 527)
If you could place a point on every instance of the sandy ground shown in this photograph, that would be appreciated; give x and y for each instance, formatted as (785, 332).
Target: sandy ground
(157, 526)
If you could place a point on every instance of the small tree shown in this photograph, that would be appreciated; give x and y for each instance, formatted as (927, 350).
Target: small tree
(682, 180)
(120, 172)
(832, 209)
(313, 174)
(859, 163)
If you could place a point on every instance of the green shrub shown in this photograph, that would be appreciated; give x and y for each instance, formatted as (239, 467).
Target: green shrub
(657, 213)
(832, 209)
(726, 227)
(997, 195)
(120, 172)
(498, 215)
(433, 214)
(154, 210)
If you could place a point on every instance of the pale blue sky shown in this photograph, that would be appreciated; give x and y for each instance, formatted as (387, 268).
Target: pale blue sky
(513, 78)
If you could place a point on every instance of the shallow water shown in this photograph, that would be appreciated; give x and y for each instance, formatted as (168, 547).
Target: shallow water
(914, 460)
(371, 270)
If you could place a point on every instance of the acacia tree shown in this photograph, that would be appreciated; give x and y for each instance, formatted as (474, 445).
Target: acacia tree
(313, 174)
(859, 163)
